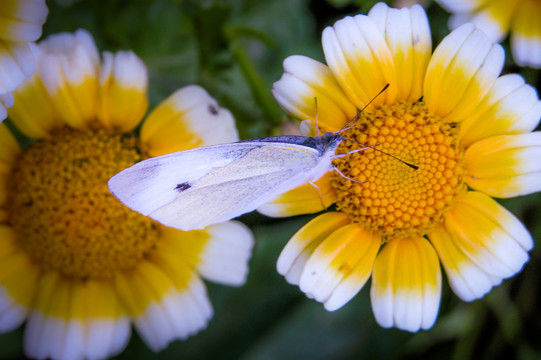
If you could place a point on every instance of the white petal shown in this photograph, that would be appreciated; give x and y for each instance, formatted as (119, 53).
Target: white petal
(461, 72)
(121, 335)
(306, 81)
(357, 54)
(526, 51)
(303, 243)
(34, 347)
(406, 285)
(74, 340)
(128, 69)
(481, 244)
(105, 338)
(66, 43)
(16, 64)
(12, 317)
(510, 107)
(458, 5)
(506, 165)
(225, 257)
(407, 33)
(177, 316)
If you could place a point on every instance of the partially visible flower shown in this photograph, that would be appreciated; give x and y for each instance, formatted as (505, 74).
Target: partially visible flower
(75, 262)
(467, 129)
(20, 24)
(497, 18)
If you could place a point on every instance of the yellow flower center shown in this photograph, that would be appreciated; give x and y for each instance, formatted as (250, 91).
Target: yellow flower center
(388, 196)
(63, 213)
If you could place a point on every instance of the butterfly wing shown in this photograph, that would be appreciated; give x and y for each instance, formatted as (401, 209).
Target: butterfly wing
(199, 187)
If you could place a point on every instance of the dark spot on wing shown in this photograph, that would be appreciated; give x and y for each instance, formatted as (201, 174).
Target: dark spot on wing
(213, 110)
(182, 187)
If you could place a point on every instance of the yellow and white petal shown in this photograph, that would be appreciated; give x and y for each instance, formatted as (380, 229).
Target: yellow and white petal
(339, 266)
(11, 314)
(34, 113)
(299, 248)
(305, 199)
(407, 33)
(220, 252)
(18, 279)
(74, 319)
(68, 66)
(462, 70)
(16, 64)
(21, 20)
(511, 107)
(526, 34)
(187, 119)
(406, 285)
(107, 326)
(468, 281)
(481, 244)
(506, 165)
(224, 259)
(494, 18)
(306, 81)
(165, 299)
(66, 43)
(123, 91)
(358, 56)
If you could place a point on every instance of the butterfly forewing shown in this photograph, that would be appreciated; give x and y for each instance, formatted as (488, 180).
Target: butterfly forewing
(196, 188)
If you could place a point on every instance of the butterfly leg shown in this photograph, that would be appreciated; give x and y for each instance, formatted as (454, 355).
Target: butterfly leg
(347, 177)
(349, 152)
(320, 196)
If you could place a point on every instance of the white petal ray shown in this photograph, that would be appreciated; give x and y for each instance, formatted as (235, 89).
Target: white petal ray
(225, 257)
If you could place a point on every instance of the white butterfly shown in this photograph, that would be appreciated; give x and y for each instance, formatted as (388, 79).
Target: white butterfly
(196, 188)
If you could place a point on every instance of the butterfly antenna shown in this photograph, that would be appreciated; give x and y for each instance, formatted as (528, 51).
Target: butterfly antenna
(349, 125)
(414, 167)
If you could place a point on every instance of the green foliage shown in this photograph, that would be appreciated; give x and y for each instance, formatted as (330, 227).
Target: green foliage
(235, 49)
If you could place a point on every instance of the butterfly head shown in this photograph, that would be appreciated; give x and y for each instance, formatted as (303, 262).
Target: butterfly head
(329, 141)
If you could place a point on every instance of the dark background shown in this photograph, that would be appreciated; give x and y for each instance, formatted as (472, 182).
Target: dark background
(235, 50)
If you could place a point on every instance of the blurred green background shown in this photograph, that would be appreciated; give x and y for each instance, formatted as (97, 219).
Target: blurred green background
(235, 50)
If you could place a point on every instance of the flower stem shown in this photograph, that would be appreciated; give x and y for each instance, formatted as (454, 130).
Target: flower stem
(262, 96)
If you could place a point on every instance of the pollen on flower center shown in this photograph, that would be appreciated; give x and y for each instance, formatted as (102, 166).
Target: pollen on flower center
(390, 197)
(63, 213)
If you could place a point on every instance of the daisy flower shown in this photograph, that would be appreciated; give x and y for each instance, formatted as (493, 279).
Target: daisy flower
(74, 262)
(20, 24)
(497, 18)
(450, 114)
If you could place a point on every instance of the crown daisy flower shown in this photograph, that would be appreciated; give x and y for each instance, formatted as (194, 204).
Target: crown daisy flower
(75, 263)
(20, 24)
(450, 114)
(497, 18)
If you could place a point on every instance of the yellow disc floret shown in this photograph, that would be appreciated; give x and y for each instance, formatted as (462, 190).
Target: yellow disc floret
(63, 213)
(379, 190)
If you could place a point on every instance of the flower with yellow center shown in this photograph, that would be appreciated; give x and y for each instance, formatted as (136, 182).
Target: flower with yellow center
(466, 131)
(20, 24)
(75, 262)
(497, 18)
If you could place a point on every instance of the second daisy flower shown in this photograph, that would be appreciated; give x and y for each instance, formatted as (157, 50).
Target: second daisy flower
(449, 113)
